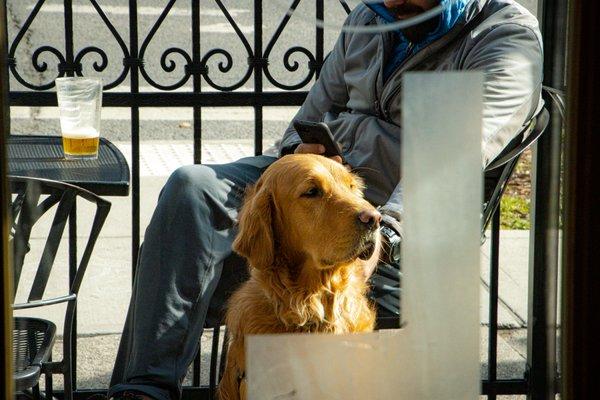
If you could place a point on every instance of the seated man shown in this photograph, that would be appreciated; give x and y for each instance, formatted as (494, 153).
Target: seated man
(187, 259)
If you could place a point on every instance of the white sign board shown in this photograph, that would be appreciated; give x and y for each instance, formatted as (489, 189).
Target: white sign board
(436, 354)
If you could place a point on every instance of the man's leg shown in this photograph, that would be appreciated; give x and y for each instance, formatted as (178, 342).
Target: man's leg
(189, 237)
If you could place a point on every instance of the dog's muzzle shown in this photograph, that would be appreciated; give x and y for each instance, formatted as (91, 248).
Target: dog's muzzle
(367, 249)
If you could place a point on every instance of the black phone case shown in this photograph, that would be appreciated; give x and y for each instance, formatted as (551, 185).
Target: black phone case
(319, 133)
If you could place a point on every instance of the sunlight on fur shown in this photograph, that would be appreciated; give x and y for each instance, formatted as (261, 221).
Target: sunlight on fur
(311, 241)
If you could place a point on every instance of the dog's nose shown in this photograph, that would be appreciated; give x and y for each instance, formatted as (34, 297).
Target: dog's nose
(369, 219)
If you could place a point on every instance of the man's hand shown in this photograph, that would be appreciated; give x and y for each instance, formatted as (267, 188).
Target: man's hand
(391, 235)
(313, 148)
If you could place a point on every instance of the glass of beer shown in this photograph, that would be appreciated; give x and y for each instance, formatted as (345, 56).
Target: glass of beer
(80, 104)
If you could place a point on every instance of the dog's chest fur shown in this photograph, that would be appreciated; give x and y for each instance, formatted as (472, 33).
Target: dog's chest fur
(333, 305)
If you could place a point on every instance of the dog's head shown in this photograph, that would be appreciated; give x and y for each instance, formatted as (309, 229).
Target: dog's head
(307, 209)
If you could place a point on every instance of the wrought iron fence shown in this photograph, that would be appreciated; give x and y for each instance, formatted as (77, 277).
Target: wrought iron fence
(198, 67)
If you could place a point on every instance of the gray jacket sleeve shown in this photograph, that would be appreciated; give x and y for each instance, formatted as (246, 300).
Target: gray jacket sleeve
(510, 56)
(328, 91)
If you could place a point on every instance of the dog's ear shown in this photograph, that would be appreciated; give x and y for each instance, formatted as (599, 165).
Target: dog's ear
(254, 240)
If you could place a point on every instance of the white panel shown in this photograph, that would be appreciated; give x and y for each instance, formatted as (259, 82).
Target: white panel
(436, 356)
(321, 367)
(442, 179)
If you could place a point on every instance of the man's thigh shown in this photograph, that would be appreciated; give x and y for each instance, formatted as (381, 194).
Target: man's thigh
(230, 180)
(235, 178)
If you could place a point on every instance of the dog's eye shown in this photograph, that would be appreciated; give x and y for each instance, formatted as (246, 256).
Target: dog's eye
(312, 192)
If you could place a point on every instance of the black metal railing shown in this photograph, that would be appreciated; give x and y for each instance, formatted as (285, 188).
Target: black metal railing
(198, 69)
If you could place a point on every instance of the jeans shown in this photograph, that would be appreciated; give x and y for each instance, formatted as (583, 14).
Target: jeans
(186, 271)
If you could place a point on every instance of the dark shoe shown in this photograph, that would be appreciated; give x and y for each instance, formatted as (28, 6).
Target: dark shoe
(131, 395)
(97, 397)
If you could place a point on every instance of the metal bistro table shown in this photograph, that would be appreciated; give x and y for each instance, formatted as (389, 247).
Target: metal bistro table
(42, 157)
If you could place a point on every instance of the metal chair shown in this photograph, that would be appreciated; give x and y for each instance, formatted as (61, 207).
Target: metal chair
(33, 337)
(499, 171)
(496, 177)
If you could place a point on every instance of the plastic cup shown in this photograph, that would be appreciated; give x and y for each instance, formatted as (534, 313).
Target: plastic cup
(80, 104)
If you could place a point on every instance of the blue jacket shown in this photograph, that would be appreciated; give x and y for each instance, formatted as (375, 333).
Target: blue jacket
(403, 47)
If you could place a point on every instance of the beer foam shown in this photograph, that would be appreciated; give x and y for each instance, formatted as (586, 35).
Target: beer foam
(87, 132)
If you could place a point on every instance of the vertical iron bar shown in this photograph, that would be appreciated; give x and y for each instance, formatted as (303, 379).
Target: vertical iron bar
(197, 365)
(258, 75)
(69, 53)
(196, 59)
(4, 75)
(319, 53)
(197, 115)
(72, 273)
(493, 306)
(70, 71)
(135, 138)
(224, 349)
(214, 353)
(545, 209)
(543, 267)
(6, 321)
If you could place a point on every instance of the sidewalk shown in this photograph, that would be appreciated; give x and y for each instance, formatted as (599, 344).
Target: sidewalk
(106, 288)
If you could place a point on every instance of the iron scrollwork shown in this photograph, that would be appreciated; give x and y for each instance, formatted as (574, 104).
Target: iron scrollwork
(292, 67)
(64, 65)
(201, 67)
(39, 67)
(216, 61)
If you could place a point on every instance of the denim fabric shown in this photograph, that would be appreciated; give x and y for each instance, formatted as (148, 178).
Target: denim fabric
(186, 252)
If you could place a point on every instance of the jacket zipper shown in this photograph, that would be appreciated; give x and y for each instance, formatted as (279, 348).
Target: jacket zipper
(409, 51)
(386, 104)
(377, 102)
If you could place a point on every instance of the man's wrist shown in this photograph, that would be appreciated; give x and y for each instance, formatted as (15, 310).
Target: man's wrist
(391, 244)
(392, 222)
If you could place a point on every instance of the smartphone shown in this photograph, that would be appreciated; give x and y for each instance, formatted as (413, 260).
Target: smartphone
(319, 133)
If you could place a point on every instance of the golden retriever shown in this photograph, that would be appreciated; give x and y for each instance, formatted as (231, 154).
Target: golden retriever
(311, 240)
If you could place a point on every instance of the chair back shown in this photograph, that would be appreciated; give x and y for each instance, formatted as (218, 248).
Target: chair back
(33, 199)
(499, 171)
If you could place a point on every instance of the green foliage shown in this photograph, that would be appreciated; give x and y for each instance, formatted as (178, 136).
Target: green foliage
(514, 213)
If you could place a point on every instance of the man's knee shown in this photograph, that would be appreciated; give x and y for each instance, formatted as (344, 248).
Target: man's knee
(193, 176)
(190, 182)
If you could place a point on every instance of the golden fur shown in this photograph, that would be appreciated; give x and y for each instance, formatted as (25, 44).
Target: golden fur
(300, 233)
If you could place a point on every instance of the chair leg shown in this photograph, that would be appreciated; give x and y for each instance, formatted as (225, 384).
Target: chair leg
(68, 385)
(214, 353)
(49, 395)
(196, 372)
(36, 392)
(67, 367)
